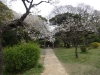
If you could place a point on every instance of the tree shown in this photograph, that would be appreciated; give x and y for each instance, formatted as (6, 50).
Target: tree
(4, 10)
(65, 37)
(69, 23)
(81, 19)
(36, 26)
(29, 4)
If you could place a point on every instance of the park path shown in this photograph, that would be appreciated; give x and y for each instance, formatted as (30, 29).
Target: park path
(52, 64)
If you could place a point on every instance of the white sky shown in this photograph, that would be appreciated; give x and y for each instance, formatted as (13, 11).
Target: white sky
(46, 8)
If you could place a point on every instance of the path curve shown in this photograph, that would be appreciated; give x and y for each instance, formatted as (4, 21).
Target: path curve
(52, 64)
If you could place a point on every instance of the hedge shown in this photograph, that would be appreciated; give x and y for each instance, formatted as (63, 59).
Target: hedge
(21, 57)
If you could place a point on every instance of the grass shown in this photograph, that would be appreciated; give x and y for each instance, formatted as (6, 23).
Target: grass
(34, 71)
(87, 64)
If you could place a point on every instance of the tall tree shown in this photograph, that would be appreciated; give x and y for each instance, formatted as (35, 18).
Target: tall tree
(81, 19)
(5, 15)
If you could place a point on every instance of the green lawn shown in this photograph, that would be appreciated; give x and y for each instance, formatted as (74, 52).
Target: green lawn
(87, 63)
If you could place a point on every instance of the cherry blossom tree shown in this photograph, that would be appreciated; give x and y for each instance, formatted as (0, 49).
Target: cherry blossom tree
(36, 23)
(82, 18)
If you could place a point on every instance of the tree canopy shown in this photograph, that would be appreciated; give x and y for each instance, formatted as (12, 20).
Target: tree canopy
(5, 13)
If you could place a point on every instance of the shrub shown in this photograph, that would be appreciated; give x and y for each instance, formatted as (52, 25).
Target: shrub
(22, 57)
(83, 48)
(95, 45)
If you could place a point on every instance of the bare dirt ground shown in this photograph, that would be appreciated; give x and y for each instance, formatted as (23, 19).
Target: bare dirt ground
(52, 64)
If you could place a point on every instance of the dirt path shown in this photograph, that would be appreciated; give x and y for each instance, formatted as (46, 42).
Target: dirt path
(52, 64)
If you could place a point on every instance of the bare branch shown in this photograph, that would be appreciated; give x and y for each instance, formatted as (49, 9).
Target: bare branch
(28, 1)
(40, 3)
(25, 4)
(30, 4)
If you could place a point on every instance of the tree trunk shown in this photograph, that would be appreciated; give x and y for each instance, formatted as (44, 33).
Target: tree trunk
(68, 45)
(53, 44)
(1, 56)
(24, 16)
(64, 43)
(44, 43)
(76, 52)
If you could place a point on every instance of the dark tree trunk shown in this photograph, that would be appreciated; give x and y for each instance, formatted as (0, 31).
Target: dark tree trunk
(44, 43)
(52, 45)
(1, 56)
(76, 52)
(64, 43)
(24, 16)
(68, 45)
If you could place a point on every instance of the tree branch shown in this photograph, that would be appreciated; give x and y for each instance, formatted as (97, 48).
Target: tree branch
(28, 1)
(40, 3)
(19, 22)
(25, 5)
(12, 24)
(30, 4)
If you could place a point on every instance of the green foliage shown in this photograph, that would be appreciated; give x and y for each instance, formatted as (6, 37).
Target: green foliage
(94, 37)
(40, 65)
(14, 37)
(33, 71)
(5, 13)
(42, 18)
(22, 57)
(10, 38)
(83, 48)
(62, 17)
(95, 45)
(58, 42)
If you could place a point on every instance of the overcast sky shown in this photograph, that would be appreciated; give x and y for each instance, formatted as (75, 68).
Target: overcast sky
(46, 8)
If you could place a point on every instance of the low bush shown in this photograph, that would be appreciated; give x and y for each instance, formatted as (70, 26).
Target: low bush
(95, 45)
(83, 48)
(22, 57)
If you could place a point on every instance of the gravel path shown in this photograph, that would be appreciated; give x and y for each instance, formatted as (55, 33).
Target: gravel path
(52, 64)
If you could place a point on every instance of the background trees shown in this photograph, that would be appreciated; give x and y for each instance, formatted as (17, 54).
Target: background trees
(5, 14)
(74, 25)
(80, 21)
